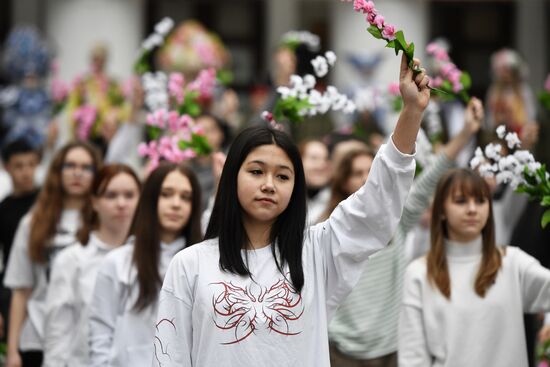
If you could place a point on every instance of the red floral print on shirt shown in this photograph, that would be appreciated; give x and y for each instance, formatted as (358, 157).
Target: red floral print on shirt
(245, 310)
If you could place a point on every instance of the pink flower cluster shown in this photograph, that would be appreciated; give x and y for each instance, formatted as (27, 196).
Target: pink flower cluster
(85, 116)
(176, 84)
(169, 119)
(167, 147)
(438, 52)
(59, 91)
(204, 83)
(373, 18)
(447, 71)
(547, 84)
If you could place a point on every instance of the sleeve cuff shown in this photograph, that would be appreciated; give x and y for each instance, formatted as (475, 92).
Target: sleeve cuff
(396, 155)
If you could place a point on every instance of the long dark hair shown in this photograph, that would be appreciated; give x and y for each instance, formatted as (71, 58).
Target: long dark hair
(146, 230)
(101, 180)
(287, 233)
(49, 205)
(471, 185)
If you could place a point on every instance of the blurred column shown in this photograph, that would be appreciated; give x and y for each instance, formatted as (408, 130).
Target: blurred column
(281, 16)
(76, 25)
(532, 39)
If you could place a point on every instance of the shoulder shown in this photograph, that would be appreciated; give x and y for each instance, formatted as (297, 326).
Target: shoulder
(516, 256)
(417, 269)
(199, 251)
(117, 260)
(70, 255)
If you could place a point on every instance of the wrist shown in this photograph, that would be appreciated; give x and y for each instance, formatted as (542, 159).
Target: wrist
(412, 111)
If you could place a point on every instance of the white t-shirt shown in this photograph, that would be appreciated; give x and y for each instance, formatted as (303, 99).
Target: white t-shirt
(468, 330)
(67, 306)
(119, 335)
(208, 317)
(22, 272)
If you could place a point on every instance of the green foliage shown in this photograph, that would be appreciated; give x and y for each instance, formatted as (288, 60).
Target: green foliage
(190, 105)
(290, 108)
(198, 143)
(141, 66)
(537, 186)
(544, 98)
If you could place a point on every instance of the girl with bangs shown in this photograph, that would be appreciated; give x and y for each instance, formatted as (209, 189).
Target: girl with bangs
(124, 301)
(464, 301)
(63, 206)
(115, 193)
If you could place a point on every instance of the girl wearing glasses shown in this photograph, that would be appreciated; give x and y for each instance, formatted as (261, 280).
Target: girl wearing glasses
(51, 225)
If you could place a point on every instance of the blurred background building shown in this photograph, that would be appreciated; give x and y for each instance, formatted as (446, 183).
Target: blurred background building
(251, 29)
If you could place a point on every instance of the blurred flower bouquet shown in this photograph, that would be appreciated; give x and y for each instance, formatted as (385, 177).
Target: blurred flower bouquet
(449, 79)
(518, 168)
(301, 98)
(172, 132)
(544, 96)
(59, 91)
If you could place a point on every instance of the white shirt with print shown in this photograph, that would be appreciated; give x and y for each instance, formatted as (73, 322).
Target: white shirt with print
(208, 317)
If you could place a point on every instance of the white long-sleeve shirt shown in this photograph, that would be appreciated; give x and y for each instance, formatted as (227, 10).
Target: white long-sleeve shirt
(67, 305)
(119, 335)
(22, 272)
(208, 317)
(467, 330)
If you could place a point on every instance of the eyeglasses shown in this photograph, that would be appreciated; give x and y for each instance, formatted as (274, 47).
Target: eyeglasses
(86, 169)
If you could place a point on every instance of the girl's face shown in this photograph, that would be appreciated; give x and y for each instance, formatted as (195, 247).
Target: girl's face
(174, 203)
(265, 183)
(465, 216)
(77, 172)
(316, 164)
(115, 207)
(360, 168)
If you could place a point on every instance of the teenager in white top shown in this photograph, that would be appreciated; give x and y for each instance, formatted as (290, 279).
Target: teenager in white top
(261, 289)
(115, 193)
(51, 225)
(464, 301)
(124, 301)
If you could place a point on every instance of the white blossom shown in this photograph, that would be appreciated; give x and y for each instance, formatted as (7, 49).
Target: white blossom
(513, 140)
(504, 177)
(284, 92)
(164, 26)
(492, 151)
(309, 81)
(320, 66)
(501, 131)
(331, 57)
(524, 156)
(349, 107)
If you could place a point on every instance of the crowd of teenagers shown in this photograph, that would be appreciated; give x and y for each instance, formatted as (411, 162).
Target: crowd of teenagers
(344, 250)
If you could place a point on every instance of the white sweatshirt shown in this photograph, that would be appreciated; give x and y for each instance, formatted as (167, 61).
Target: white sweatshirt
(468, 330)
(119, 335)
(22, 272)
(67, 305)
(208, 317)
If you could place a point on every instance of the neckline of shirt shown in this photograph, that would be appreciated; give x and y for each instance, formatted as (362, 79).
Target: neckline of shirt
(464, 250)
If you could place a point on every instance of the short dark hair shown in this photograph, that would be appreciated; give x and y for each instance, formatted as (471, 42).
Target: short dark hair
(18, 146)
(287, 233)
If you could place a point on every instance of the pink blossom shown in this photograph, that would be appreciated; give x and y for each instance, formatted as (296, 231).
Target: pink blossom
(85, 117)
(204, 83)
(359, 5)
(175, 86)
(59, 90)
(457, 87)
(369, 7)
(547, 83)
(436, 82)
(389, 32)
(454, 76)
(157, 118)
(267, 116)
(393, 89)
(447, 69)
(371, 17)
(173, 121)
(432, 48)
(379, 21)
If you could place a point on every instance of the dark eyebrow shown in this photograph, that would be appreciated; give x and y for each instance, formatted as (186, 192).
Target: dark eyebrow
(262, 163)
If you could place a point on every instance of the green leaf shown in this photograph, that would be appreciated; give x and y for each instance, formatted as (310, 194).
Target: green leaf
(375, 32)
(545, 201)
(410, 52)
(465, 80)
(390, 44)
(545, 218)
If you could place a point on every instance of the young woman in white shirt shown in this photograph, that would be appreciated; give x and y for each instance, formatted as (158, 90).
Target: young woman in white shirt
(124, 300)
(464, 301)
(51, 225)
(115, 193)
(261, 289)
